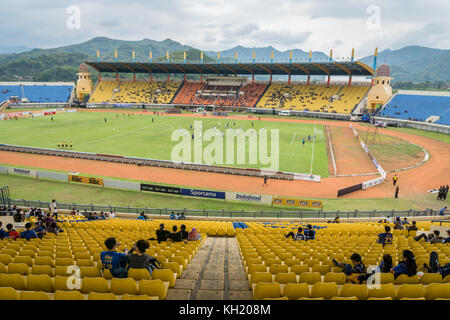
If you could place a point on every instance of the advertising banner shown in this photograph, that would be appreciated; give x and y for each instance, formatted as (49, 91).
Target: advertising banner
(25, 172)
(87, 180)
(293, 202)
(160, 189)
(203, 193)
(247, 197)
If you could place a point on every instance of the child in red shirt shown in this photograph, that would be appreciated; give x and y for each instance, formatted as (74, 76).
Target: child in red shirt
(11, 233)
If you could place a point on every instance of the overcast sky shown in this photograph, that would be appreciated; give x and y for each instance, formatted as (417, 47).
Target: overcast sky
(222, 24)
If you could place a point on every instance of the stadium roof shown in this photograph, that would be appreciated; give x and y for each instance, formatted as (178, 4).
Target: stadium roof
(356, 68)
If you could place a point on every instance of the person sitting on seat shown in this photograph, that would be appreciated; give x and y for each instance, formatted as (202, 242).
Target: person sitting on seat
(161, 234)
(384, 267)
(141, 260)
(407, 266)
(175, 235)
(352, 272)
(12, 234)
(398, 225)
(29, 233)
(432, 237)
(386, 237)
(172, 216)
(435, 266)
(39, 229)
(412, 227)
(114, 261)
(447, 240)
(3, 233)
(184, 233)
(194, 235)
(53, 228)
(310, 234)
(142, 216)
(297, 236)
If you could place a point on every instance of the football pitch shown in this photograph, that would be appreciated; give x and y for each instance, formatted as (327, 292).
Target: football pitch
(150, 136)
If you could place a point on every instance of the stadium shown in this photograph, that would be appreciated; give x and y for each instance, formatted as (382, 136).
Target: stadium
(155, 179)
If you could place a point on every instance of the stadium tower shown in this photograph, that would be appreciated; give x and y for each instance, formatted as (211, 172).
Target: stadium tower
(84, 84)
(381, 92)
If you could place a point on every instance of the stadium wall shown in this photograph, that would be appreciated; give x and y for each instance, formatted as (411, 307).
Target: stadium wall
(439, 128)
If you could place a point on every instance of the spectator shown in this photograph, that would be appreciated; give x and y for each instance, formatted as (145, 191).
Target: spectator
(386, 237)
(54, 228)
(384, 267)
(194, 235)
(142, 216)
(3, 233)
(184, 233)
(297, 236)
(18, 216)
(352, 272)
(433, 237)
(310, 234)
(39, 229)
(114, 261)
(447, 240)
(435, 266)
(406, 266)
(413, 227)
(161, 234)
(337, 220)
(398, 225)
(175, 235)
(441, 212)
(141, 260)
(182, 217)
(53, 209)
(48, 220)
(172, 216)
(29, 233)
(405, 221)
(12, 234)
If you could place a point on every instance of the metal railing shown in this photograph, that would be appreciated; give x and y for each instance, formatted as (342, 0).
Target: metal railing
(298, 214)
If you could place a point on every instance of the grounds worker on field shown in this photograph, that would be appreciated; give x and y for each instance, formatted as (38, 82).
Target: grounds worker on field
(396, 192)
(395, 179)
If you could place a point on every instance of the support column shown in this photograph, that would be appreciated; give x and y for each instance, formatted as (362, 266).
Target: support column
(289, 79)
(151, 77)
(328, 81)
(117, 76)
(309, 80)
(99, 77)
(201, 79)
(253, 79)
(270, 81)
(184, 78)
(134, 77)
(350, 80)
(168, 77)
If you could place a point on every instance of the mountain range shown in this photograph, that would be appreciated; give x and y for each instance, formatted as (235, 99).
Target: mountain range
(411, 63)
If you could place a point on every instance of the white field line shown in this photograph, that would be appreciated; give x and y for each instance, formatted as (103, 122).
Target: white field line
(293, 138)
(331, 151)
(312, 153)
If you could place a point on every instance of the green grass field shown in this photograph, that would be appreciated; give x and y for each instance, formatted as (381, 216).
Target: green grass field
(138, 136)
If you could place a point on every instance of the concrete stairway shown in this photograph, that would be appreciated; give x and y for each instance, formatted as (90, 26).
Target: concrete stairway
(215, 273)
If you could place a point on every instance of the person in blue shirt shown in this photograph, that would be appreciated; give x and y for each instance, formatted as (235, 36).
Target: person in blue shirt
(435, 266)
(352, 272)
(3, 233)
(142, 216)
(115, 262)
(407, 266)
(39, 229)
(297, 236)
(28, 233)
(447, 240)
(172, 216)
(441, 212)
(384, 267)
(310, 234)
(386, 237)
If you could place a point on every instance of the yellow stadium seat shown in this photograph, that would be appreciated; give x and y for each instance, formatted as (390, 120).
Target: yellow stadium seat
(266, 290)
(23, 259)
(33, 295)
(64, 262)
(15, 281)
(278, 268)
(38, 269)
(299, 269)
(256, 268)
(429, 278)
(310, 277)
(123, 286)
(27, 253)
(174, 266)
(41, 282)
(295, 291)
(437, 290)
(344, 298)
(257, 277)
(409, 291)
(354, 290)
(386, 278)
(152, 288)
(306, 298)
(91, 272)
(164, 275)
(322, 269)
(136, 297)
(338, 277)
(385, 298)
(19, 268)
(45, 261)
(101, 296)
(8, 294)
(99, 285)
(405, 279)
(285, 277)
(324, 290)
(139, 274)
(68, 295)
(85, 263)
